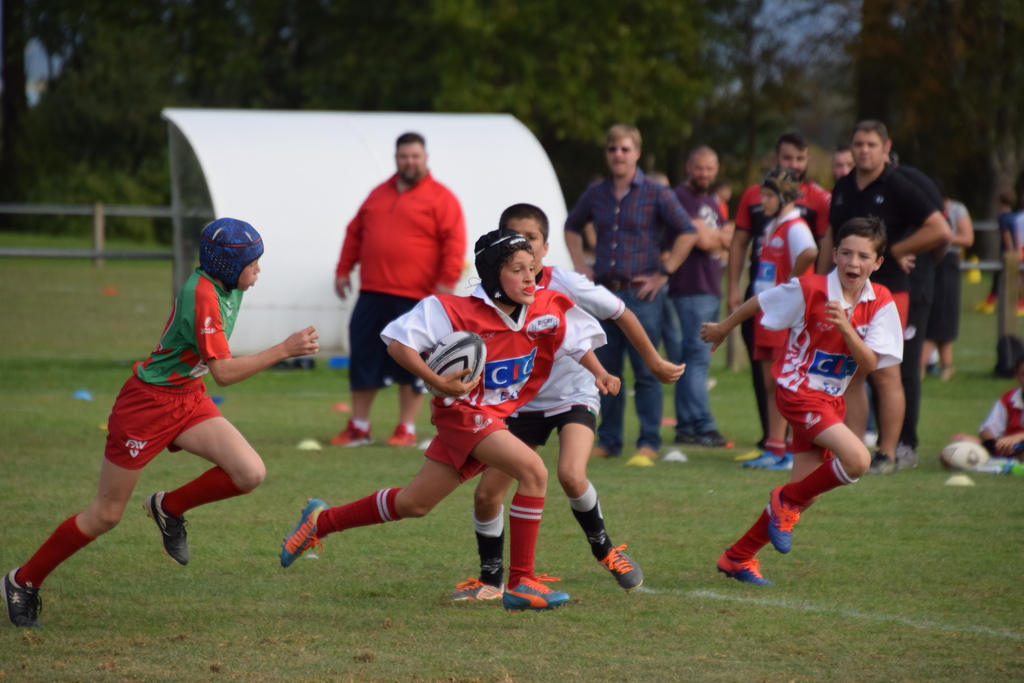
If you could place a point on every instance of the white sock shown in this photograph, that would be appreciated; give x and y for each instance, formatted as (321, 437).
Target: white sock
(410, 427)
(491, 528)
(587, 501)
(361, 425)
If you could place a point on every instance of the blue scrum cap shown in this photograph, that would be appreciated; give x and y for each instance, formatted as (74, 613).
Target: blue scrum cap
(227, 246)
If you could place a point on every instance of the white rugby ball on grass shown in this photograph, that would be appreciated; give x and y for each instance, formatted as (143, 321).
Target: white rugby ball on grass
(458, 351)
(964, 456)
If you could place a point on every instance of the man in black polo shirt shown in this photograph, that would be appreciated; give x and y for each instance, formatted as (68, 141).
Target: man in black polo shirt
(922, 293)
(914, 226)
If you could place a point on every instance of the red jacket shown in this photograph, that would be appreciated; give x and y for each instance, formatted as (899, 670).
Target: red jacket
(407, 242)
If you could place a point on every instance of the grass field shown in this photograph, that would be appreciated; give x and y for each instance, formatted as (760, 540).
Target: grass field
(897, 578)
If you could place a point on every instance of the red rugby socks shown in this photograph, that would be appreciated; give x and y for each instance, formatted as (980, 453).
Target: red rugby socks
(751, 542)
(66, 540)
(209, 487)
(827, 476)
(524, 523)
(376, 508)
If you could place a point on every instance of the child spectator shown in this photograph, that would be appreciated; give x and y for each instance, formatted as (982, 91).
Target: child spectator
(722, 191)
(787, 250)
(1008, 242)
(1002, 433)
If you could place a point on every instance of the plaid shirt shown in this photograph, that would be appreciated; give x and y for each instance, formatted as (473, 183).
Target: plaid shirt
(631, 232)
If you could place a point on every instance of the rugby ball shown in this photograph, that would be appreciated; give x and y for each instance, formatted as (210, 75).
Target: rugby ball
(457, 351)
(963, 456)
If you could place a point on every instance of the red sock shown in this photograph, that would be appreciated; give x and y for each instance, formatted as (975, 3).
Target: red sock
(751, 543)
(828, 476)
(209, 487)
(376, 508)
(524, 523)
(66, 540)
(776, 448)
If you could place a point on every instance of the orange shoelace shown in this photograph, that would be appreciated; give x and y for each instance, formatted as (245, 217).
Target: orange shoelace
(752, 566)
(307, 535)
(469, 583)
(616, 562)
(535, 582)
(786, 516)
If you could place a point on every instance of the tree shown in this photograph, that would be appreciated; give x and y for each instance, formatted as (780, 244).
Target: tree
(778, 67)
(570, 69)
(13, 103)
(948, 78)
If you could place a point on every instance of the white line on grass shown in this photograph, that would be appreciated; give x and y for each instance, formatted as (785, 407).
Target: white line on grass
(852, 613)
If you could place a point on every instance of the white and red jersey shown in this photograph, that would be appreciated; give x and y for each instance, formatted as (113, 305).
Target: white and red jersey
(571, 384)
(785, 237)
(817, 357)
(1007, 416)
(520, 352)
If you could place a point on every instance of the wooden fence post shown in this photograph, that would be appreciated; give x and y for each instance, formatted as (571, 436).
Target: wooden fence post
(1009, 294)
(99, 232)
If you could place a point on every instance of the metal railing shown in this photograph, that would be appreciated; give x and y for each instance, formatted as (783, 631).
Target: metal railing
(99, 212)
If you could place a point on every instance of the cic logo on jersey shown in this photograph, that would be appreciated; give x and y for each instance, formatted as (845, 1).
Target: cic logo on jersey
(833, 365)
(499, 374)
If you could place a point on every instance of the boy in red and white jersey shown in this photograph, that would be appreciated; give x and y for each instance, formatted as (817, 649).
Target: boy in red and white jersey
(787, 250)
(164, 405)
(1002, 432)
(569, 403)
(526, 330)
(838, 323)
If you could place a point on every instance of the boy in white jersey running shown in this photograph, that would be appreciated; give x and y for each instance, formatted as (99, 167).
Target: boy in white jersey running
(838, 323)
(568, 402)
(164, 405)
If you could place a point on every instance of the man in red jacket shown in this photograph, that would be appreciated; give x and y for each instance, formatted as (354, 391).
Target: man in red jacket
(410, 238)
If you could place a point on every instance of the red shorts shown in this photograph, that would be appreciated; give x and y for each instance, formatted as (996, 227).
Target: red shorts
(902, 301)
(768, 344)
(147, 418)
(809, 416)
(460, 427)
(767, 352)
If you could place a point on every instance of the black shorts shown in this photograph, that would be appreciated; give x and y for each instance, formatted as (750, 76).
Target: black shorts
(944, 321)
(371, 366)
(533, 428)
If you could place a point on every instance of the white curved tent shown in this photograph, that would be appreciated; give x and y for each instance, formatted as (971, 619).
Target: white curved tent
(300, 177)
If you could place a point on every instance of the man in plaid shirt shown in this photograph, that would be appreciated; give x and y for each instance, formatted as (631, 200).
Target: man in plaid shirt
(633, 218)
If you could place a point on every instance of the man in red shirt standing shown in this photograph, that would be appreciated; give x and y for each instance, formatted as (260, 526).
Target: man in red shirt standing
(413, 210)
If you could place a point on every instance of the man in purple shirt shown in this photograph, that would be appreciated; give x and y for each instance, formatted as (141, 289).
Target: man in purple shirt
(696, 293)
(633, 217)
